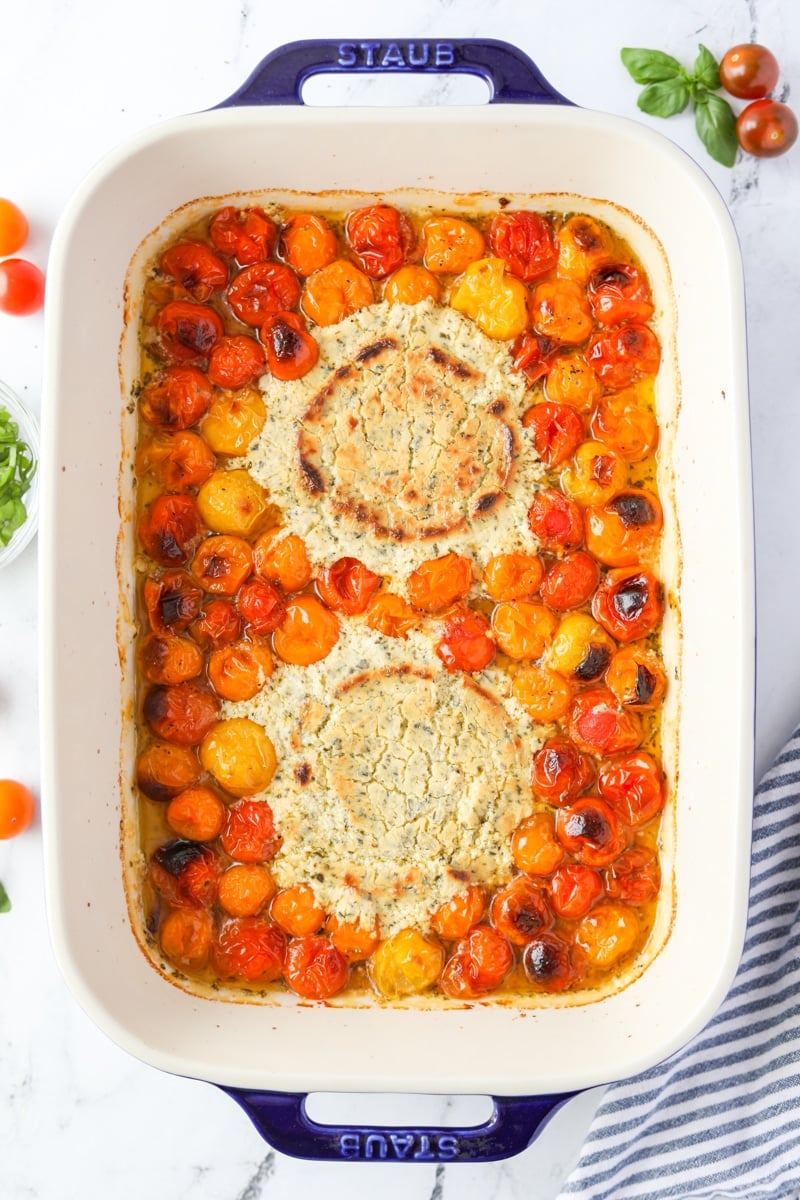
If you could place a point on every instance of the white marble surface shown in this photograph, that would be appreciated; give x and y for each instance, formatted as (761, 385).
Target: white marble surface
(78, 1117)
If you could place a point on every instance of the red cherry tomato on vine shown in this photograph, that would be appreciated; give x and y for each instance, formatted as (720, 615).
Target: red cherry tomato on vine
(21, 287)
(766, 128)
(17, 807)
(13, 227)
(749, 71)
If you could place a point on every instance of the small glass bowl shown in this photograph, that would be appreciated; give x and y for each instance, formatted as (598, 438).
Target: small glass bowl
(28, 431)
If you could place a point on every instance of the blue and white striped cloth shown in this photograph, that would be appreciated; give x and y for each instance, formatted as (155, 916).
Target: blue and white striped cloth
(722, 1116)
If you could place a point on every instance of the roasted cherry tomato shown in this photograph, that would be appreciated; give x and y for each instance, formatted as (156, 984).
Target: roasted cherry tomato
(164, 769)
(621, 356)
(556, 429)
(525, 240)
(336, 291)
(522, 628)
(634, 877)
(355, 941)
(494, 299)
(17, 808)
(261, 606)
(391, 615)
(439, 582)
(167, 658)
(556, 520)
(196, 813)
(766, 128)
(236, 361)
(449, 245)
(410, 285)
(282, 558)
(232, 502)
(380, 237)
(240, 670)
(234, 420)
(519, 910)
(169, 529)
(196, 267)
(633, 784)
(599, 724)
(219, 624)
(569, 582)
(570, 380)
(749, 71)
(619, 293)
(456, 917)
(314, 968)
(222, 563)
(180, 712)
(543, 693)
(248, 834)
(308, 632)
(479, 965)
(308, 243)
(406, 964)
(297, 910)
(21, 287)
(595, 474)
(580, 650)
(560, 311)
(591, 831)
(186, 332)
(584, 245)
(533, 355)
(291, 350)
(13, 227)
(172, 602)
(622, 422)
(636, 677)
(512, 576)
(560, 772)
(176, 398)
(574, 888)
(547, 962)
(628, 603)
(607, 933)
(625, 529)
(465, 644)
(186, 873)
(534, 847)
(246, 234)
(185, 937)
(245, 889)
(347, 586)
(178, 461)
(262, 290)
(252, 948)
(240, 756)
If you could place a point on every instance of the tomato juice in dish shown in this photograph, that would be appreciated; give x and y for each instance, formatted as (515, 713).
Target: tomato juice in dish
(399, 671)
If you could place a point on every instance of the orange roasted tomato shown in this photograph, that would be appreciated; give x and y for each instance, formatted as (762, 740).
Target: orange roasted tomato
(248, 835)
(196, 813)
(297, 911)
(172, 601)
(355, 941)
(465, 644)
(556, 520)
(622, 422)
(598, 724)
(621, 356)
(281, 557)
(569, 582)
(625, 529)
(456, 917)
(560, 311)
(335, 292)
(261, 290)
(522, 629)
(439, 582)
(526, 242)
(234, 420)
(196, 267)
(634, 877)
(180, 712)
(534, 846)
(169, 529)
(391, 615)
(519, 910)
(584, 245)
(636, 677)
(591, 831)
(308, 243)
(608, 933)
(619, 293)
(261, 605)
(167, 658)
(246, 234)
(308, 632)
(291, 350)
(185, 937)
(219, 624)
(556, 429)
(178, 461)
(512, 576)
(186, 332)
(575, 887)
(164, 769)
(479, 964)
(381, 238)
(245, 889)
(595, 474)
(633, 784)
(542, 692)
(176, 398)
(347, 586)
(236, 361)
(410, 285)
(251, 948)
(570, 380)
(449, 244)
(314, 968)
(240, 670)
(560, 772)
(222, 563)
(493, 298)
(185, 873)
(548, 963)
(628, 603)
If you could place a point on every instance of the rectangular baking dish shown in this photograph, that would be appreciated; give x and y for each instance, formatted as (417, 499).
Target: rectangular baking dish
(542, 146)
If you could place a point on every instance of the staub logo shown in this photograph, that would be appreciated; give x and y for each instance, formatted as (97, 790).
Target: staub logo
(393, 55)
(416, 1147)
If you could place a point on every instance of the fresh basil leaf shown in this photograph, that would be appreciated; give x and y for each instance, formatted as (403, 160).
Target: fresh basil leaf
(664, 99)
(5, 903)
(706, 70)
(716, 127)
(650, 66)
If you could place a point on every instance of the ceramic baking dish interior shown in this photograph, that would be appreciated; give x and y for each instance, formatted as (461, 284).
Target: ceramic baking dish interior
(522, 150)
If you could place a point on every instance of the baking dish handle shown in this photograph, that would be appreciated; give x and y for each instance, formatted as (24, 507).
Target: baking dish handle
(282, 1120)
(513, 78)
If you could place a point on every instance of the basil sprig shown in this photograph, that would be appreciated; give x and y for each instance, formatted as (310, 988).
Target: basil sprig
(17, 469)
(5, 903)
(669, 88)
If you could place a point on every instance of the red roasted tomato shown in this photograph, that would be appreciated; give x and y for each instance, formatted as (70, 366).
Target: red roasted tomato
(525, 240)
(556, 520)
(186, 873)
(236, 361)
(480, 964)
(465, 644)
(621, 356)
(314, 968)
(246, 234)
(261, 605)
(176, 398)
(628, 603)
(347, 586)
(619, 293)
(262, 290)
(599, 724)
(560, 772)
(590, 829)
(186, 332)
(249, 832)
(251, 948)
(633, 784)
(291, 350)
(196, 267)
(381, 239)
(170, 528)
(556, 429)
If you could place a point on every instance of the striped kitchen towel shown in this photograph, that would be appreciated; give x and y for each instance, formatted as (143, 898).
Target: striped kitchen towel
(722, 1116)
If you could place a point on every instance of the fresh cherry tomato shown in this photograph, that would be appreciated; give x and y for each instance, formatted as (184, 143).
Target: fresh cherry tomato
(176, 398)
(591, 831)
(547, 962)
(308, 243)
(248, 834)
(219, 624)
(17, 808)
(574, 888)
(13, 227)
(169, 529)
(556, 429)
(172, 601)
(765, 128)
(236, 361)
(178, 461)
(222, 563)
(380, 237)
(619, 293)
(261, 290)
(519, 910)
(621, 356)
(186, 332)
(560, 772)
(186, 873)
(21, 287)
(347, 586)
(196, 267)
(598, 723)
(291, 349)
(252, 948)
(465, 644)
(634, 877)
(556, 520)
(246, 234)
(749, 71)
(314, 968)
(480, 964)
(439, 582)
(569, 581)
(526, 241)
(533, 355)
(308, 632)
(628, 603)
(633, 784)
(181, 712)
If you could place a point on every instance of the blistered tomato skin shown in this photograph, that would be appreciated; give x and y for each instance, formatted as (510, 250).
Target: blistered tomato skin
(465, 644)
(519, 911)
(526, 243)
(196, 267)
(380, 237)
(314, 968)
(246, 234)
(251, 948)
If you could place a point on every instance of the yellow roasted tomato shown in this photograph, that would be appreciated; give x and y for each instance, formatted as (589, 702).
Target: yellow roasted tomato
(234, 420)
(494, 299)
(406, 964)
(239, 755)
(232, 502)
